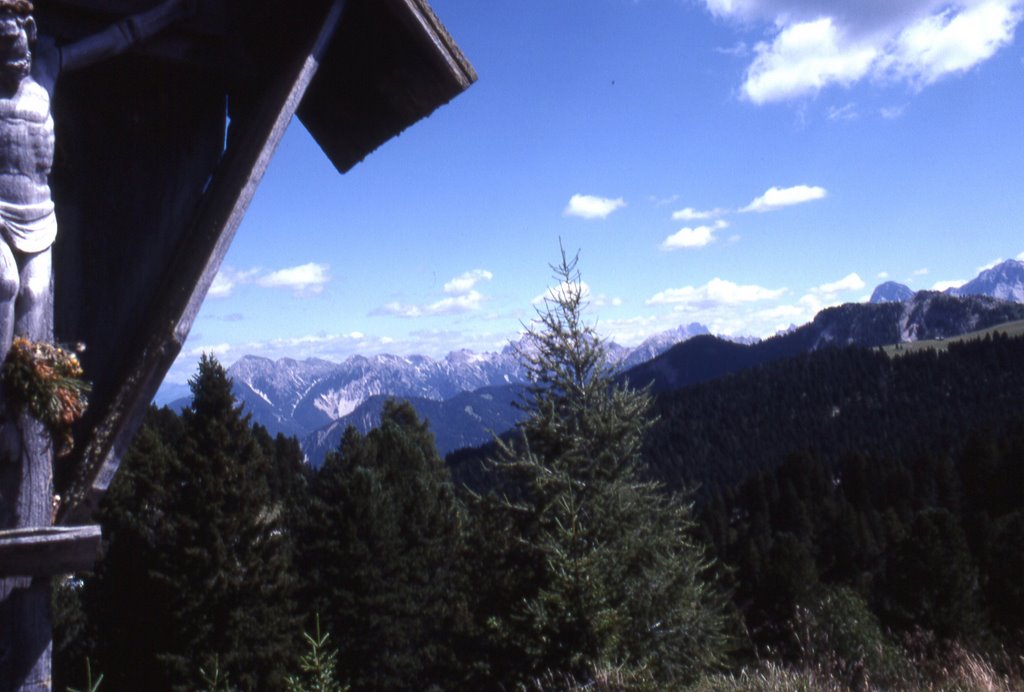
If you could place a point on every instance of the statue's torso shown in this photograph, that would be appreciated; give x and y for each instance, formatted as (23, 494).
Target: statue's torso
(26, 144)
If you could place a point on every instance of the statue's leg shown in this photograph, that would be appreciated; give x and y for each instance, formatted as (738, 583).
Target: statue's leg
(33, 316)
(9, 284)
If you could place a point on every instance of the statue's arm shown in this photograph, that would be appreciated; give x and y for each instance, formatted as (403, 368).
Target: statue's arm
(123, 35)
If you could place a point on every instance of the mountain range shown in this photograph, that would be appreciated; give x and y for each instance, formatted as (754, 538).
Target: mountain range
(1004, 281)
(468, 397)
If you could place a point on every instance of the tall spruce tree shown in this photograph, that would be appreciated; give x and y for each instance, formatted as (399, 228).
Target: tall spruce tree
(382, 555)
(197, 570)
(592, 566)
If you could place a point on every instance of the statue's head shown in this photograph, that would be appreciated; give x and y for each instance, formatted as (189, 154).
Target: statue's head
(17, 34)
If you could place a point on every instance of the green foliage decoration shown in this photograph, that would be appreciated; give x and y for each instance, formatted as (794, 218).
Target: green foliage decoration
(46, 381)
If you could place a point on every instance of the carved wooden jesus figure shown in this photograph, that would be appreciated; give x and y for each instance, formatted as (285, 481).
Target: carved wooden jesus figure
(29, 69)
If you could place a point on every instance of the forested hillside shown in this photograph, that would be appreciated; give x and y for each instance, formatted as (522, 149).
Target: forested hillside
(832, 403)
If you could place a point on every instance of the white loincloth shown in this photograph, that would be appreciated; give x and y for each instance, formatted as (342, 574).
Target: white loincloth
(29, 228)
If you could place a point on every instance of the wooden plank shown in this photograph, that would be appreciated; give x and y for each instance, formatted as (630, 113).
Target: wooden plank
(48, 550)
(250, 148)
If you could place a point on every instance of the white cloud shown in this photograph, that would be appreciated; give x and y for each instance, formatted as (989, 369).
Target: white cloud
(944, 285)
(802, 59)
(454, 305)
(692, 237)
(222, 286)
(309, 278)
(555, 293)
(229, 278)
(818, 43)
(591, 207)
(998, 260)
(715, 292)
(462, 297)
(923, 271)
(850, 282)
(1021, 257)
(826, 295)
(210, 349)
(883, 275)
(953, 40)
(465, 282)
(777, 198)
(691, 214)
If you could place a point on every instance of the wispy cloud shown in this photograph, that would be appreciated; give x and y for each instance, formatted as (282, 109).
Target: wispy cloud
(819, 43)
(591, 207)
(892, 112)
(693, 237)
(1021, 257)
(846, 112)
(739, 49)
(691, 214)
(777, 198)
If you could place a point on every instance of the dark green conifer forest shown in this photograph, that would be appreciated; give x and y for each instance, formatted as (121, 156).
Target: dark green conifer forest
(839, 518)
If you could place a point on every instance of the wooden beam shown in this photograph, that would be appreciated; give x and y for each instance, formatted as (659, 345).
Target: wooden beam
(250, 148)
(48, 550)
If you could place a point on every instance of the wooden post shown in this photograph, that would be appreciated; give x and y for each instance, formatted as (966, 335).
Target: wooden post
(26, 500)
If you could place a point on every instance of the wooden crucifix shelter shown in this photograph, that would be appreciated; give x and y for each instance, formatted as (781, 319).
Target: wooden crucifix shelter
(158, 154)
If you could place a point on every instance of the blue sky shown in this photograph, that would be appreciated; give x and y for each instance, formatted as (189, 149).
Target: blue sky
(739, 163)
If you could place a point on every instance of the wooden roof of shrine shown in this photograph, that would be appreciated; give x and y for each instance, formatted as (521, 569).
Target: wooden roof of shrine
(159, 152)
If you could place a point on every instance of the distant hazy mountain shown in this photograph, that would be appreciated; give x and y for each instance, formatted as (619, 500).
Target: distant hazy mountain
(891, 292)
(1004, 281)
(299, 397)
(659, 343)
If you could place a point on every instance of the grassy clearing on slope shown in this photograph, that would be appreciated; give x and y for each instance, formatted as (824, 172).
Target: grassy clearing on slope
(1009, 328)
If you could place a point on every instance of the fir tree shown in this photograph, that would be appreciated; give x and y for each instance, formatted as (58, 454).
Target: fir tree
(382, 550)
(602, 569)
(197, 571)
